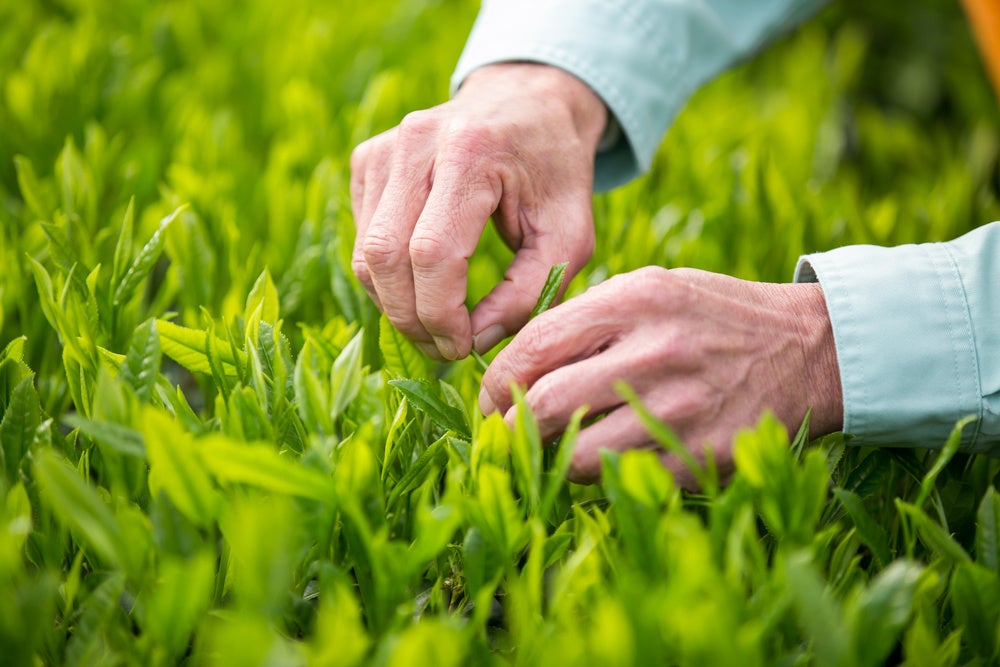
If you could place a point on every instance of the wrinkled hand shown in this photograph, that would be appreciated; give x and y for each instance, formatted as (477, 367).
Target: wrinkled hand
(706, 354)
(517, 142)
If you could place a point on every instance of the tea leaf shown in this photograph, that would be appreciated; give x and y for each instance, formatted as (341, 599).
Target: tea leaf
(550, 290)
(421, 394)
(145, 260)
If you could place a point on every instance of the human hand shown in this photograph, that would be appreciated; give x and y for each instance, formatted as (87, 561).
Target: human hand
(517, 142)
(705, 353)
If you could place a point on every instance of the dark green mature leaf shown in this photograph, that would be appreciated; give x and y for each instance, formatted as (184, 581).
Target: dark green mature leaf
(553, 283)
(142, 362)
(870, 532)
(932, 534)
(882, 610)
(145, 260)
(20, 423)
(422, 396)
(975, 601)
(988, 531)
(78, 506)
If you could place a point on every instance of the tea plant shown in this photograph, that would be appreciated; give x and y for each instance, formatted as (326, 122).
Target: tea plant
(213, 450)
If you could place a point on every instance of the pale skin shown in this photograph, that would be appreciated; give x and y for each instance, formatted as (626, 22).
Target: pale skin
(706, 353)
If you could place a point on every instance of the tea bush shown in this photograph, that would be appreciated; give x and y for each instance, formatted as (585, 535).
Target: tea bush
(214, 451)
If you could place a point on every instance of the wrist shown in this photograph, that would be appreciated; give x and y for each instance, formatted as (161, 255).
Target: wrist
(822, 370)
(547, 84)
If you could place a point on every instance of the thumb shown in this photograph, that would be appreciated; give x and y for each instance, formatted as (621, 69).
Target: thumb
(508, 306)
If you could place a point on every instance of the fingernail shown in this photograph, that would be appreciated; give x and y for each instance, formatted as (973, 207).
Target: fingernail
(486, 340)
(428, 349)
(486, 403)
(447, 348)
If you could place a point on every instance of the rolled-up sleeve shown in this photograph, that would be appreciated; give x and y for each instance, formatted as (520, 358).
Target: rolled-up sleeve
(917, 331)
(644, 58)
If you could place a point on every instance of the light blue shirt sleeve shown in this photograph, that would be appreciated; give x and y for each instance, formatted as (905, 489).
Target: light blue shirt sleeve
(644, 58)
(917, 330)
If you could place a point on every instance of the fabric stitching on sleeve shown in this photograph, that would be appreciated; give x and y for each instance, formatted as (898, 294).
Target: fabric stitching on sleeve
(971, 339)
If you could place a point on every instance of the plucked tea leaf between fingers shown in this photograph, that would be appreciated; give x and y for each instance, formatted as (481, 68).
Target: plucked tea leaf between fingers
(553, 283)
(145, 260)
(422, 395)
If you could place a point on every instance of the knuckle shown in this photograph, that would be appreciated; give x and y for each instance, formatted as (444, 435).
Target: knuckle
(417, 125)
(382, 253)
(546, 401)
(428, 250)
(359, 157)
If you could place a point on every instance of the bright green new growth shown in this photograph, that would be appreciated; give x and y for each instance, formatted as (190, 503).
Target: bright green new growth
(213, 450)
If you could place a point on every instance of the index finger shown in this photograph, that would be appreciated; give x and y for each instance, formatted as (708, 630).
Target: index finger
(444, 238)
(570, 332)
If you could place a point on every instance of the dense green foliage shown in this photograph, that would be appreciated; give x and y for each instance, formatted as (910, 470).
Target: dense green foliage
(213, 450)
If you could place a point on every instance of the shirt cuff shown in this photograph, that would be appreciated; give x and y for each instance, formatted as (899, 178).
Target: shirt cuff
(917, 332)
(607, 45)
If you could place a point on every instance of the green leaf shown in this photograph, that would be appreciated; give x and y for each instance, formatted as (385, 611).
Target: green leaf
(120, 438)
(947, 453)
(817, 612)
(145, 260)
(402, 360)
(142, 362)
(123, 248)
(932, 534)
(417, 472)
(880, 613)
(78, 506)
(870, 532)
(176, 468)
(263, 296)
(988, 530)
(261, 466)
(422, 396)
(189, 348)
(346, 376)
(20, 423)
(553, 283)
(975, 601)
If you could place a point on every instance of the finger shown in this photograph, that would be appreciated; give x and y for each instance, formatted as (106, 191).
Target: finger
(387, 239)
(572, 331)
(508, 306)
(369, 173)
(444, 238)
(618, 431)
(555, 396)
